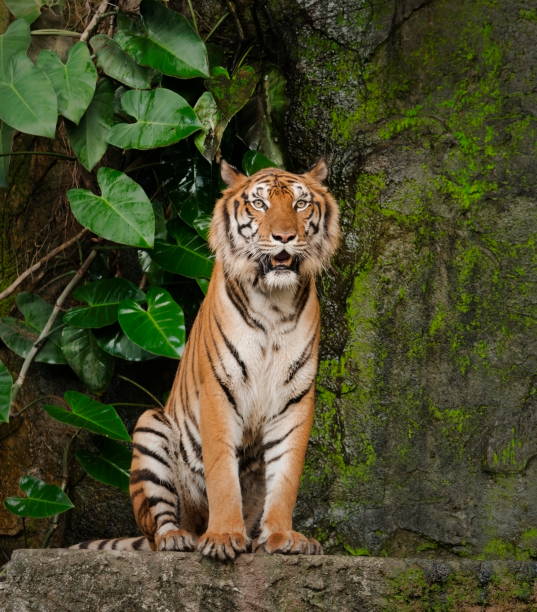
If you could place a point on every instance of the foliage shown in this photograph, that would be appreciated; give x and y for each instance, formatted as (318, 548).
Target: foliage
(150, 93)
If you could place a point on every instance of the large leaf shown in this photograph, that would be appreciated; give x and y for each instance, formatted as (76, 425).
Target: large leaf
(89, 139)
(6, 383)
(29, 101)
(20, 336)
(111, 466)
(162, 118)
(194, 194)
(6, 140)
(91, 415)
(42, 499)
(93, 366)
(117, 344)
(189, 257)
(208, 140)
(164, 40)
(231, 94)
(16, 39)
(118, 64)
(29, 10)
(122, 213)
(74, 82)
(102, 298)
(160, 329)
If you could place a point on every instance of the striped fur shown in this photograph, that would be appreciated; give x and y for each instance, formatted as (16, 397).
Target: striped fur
(218, 469)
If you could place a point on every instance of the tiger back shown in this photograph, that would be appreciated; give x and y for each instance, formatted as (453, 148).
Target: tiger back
(218, 469)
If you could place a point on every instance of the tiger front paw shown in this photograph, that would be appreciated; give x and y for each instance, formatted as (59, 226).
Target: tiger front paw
(178, 539)
(287, 543)
(222, 546)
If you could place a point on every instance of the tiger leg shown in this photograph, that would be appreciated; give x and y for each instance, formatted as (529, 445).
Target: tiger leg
(284, 446)
(154, 489)
(220, 434)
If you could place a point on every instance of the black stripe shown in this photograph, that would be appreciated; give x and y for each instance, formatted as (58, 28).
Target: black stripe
(300, 362)
(137, 544)
(147, 475)
(158, 416)
(146, 451)
(84, 545)
(277, 457)
(232, 350)
(184, 456)
(242, 309)
(274, 443)
(302, 300)
(222, 384)
(152, 431)
(193, 442)
(293, 400)
(168, 522)
(154, 500)
(102, 544)
(164, 513)
(115, 543)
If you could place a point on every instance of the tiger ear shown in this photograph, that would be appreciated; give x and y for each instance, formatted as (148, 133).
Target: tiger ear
(319, 172)
(229, 173)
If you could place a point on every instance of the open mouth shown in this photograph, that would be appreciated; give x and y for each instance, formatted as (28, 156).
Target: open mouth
(283, 261)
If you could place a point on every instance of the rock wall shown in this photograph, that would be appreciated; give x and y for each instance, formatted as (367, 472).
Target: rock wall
(424, 437)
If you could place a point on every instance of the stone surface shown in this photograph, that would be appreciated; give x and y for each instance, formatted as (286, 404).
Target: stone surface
(51, 580)
(424, 440)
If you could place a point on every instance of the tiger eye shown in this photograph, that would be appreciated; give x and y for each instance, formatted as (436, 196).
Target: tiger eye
(259, 204)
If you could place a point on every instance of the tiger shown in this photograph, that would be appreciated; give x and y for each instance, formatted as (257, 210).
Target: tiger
(218, 469)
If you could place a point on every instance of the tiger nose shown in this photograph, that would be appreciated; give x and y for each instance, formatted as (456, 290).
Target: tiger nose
(284, 237)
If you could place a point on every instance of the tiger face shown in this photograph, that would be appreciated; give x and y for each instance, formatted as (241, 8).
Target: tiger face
(274, 227)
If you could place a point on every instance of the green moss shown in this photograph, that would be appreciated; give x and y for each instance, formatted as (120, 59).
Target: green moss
(528, 14)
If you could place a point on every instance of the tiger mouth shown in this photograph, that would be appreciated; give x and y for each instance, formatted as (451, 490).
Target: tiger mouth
(282, 261)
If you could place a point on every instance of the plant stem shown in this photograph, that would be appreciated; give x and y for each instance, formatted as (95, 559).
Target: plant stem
(193, 14)
(46, 153)
(54, 32)
(63, 485)
(216, 26)
(48, 326)
(9, 290)
(146, 391)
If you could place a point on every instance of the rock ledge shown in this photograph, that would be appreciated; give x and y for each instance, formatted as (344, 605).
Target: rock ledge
(46, 580)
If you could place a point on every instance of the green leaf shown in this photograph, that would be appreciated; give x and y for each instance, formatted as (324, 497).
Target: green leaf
(253, 161)
(194, 195)
(164, 40)
(89, 139)
(19, 336)
(6, 141)
(160, 329)
(6, 383)
(162, 118)
(89, 414)
(123, 213)
(103, 298)
(42, 499)
(231, 94)
(111, 466)
(74, 82)
(117, 344)
(213, 125)
(118, 64)
(93, 366)
(29, 10)
(29, 101)
(189, 257)
(16, 39)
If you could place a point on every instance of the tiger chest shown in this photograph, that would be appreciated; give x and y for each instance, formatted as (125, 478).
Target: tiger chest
(280, 364)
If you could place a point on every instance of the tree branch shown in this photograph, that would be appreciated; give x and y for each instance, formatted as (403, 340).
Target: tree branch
(94, 20)
(9, 290)
(48, 326)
